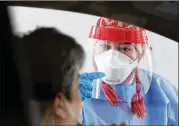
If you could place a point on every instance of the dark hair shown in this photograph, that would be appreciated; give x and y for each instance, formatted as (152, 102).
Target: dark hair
(53, 59)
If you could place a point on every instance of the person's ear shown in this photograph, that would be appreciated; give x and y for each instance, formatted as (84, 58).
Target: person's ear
(59, 107)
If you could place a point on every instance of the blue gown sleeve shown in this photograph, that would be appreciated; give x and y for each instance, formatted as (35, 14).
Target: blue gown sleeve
(175, 123)
(172, 94)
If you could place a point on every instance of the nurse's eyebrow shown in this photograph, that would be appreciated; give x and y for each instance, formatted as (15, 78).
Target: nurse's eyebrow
(128, 43)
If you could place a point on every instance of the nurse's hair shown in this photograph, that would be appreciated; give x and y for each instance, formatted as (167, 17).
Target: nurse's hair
(53, 60)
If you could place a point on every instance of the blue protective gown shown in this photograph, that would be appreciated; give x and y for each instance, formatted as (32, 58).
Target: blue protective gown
(161, 103)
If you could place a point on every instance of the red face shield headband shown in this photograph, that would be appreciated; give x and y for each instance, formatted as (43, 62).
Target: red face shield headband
(118, 34)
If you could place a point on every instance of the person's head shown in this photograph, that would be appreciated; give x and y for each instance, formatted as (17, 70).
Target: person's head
(55, 60)
(120, 45)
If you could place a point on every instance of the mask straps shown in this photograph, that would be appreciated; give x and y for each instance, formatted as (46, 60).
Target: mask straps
(69, 110)
(72, 114)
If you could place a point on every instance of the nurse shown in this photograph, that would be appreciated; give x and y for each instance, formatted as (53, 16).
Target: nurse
(126, 89)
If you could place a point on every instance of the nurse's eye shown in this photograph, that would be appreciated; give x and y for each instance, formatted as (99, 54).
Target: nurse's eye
(103, 46)
(124, 49)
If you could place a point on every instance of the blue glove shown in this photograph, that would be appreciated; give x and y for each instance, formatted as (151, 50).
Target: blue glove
(85, 85)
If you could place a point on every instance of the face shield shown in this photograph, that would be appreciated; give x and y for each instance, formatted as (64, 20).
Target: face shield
(122, 52)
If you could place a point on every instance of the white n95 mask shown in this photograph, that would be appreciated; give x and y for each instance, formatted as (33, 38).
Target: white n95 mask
(116, 65)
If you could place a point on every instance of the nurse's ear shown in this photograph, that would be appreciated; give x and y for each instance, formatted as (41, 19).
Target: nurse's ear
(59, 107)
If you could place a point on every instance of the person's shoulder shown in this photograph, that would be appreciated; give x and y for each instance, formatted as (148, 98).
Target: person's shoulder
(164, 89)
(168, 92)
(159, 82)
(163, 82)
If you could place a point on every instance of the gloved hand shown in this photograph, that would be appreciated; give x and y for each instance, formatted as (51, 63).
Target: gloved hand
(85, 85)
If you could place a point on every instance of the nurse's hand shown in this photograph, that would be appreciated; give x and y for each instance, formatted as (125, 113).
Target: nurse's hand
(85, 85)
